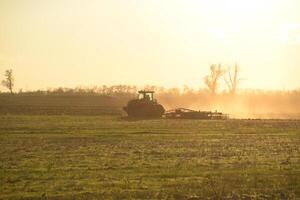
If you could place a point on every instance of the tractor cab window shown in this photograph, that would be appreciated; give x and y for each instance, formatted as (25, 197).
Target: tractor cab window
(146, 96)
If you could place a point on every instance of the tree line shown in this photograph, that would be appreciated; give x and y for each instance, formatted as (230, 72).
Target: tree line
(212, 82)
(219, 75)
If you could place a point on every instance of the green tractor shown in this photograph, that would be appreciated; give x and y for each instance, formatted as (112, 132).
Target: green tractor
(145, 106)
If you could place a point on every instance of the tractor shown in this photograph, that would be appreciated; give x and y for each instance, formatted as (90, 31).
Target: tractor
(145, 106)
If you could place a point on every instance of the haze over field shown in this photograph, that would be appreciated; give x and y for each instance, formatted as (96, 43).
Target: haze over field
(149, 99)
(169, 43)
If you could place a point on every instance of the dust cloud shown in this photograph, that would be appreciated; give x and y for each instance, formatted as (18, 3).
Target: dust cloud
(254, 104)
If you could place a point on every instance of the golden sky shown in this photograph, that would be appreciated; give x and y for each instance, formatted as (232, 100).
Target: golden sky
(51, 43)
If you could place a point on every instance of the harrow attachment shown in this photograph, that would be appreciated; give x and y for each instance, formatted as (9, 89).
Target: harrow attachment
(183, 113)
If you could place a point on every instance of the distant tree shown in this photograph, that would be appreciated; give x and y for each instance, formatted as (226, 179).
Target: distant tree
(150, 87)
(103, 90)
(160, 90)
(9, 80)
(174, 91)
(187, 90)
(212, 80)
(231, 78)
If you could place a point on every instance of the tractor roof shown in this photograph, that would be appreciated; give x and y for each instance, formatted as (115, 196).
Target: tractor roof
(145, 91)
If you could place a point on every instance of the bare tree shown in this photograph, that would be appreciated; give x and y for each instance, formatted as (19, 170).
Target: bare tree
(9, 80)
(212, 80)
(231, 78)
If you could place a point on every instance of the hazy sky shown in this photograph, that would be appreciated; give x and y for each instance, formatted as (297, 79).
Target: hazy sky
(163, 42)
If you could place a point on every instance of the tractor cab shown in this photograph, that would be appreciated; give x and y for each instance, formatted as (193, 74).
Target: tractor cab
(145, 106)
(146, 95)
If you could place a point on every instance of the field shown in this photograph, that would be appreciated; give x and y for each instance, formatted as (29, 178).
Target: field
(108, 157)
(61, 104)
